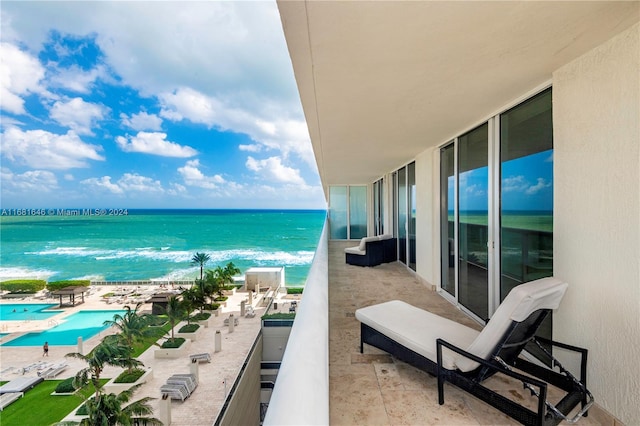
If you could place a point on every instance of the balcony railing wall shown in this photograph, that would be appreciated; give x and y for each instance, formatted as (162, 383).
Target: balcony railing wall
(301, 392)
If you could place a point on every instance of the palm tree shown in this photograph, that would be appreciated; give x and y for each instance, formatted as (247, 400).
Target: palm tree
(132, 327)
(230, 270)
(108, 352)
(200, 259)
(221, 276)
(175, 312)
(108, 409)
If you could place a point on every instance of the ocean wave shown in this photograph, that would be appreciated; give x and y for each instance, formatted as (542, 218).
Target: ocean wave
(262, 257)
(16, 273)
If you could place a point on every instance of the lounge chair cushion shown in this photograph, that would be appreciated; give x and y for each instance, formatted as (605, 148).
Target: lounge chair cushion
(364, 241)
(417, 329)
(355, 250)
(522, 301)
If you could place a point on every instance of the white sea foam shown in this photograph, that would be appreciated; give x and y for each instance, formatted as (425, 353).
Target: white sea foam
(16, 273)
(262, 257)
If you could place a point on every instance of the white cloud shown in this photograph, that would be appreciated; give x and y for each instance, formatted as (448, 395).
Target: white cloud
(154, 143)
(33, 180)
(142, 121)
(521, 184)
(20, 74)
(539, 186)
(192, 176)
(514, 183)
(77, 114)
(76, 79)
(103, 183)
(136, 183)
(250, 148)
(272, 169)
(129, 182)
(40, 149)
(285, 136)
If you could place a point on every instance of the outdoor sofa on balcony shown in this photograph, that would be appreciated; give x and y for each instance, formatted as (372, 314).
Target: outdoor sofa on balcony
(372, 251)
(465, 357)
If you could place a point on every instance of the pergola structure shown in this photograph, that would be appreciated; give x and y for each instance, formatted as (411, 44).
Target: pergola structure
(71, 291)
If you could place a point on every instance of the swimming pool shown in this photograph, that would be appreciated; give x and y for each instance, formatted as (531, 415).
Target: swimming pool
(26, 311)
(83, 323)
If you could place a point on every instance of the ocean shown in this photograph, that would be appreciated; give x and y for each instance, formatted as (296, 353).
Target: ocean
(154, 244)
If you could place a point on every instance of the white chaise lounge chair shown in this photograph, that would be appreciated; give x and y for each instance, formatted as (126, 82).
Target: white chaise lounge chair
(7, 399)
(465, 357)
(203, 357)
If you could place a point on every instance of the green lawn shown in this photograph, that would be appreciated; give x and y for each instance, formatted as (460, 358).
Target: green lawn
(39, 408)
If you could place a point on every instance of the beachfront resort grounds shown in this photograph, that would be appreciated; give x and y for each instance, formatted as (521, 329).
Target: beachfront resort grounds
(215, 378)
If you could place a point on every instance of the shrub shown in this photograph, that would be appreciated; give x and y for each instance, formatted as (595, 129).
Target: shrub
(173, 344)
(211, 306)
(57, 285)
(221, 299)
(157, 320)
(65, 386)
(189, 328)
(82, 411)
(295, 290)
(280, 315)
(23, 286)
(130, 376)
(202, 316)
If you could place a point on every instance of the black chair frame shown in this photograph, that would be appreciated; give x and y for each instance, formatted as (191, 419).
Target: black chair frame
(504, 357)
(376, 253)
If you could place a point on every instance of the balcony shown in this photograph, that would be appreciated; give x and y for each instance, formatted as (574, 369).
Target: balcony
(373, 387)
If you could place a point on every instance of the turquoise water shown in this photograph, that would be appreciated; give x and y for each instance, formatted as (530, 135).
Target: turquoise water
(155, 244)
(26, 311)
(85, 324)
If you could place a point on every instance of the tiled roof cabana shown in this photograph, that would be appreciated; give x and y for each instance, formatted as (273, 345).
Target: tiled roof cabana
(71, 291)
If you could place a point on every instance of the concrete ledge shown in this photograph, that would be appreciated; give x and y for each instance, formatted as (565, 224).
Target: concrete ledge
(112, 387)
(192, 336)
(172, 353)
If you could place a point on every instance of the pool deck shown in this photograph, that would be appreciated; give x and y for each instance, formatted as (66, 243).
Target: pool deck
(215, 378)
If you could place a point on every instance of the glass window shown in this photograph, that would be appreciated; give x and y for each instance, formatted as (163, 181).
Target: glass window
(411, 194)
(402, 215)
(526, 192)
(338, 212)
(447, 219)
(473, 224)
(357, 212)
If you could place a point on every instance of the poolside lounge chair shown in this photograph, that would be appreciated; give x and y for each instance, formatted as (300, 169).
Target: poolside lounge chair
(204, 357)
(465, 357)
(54, 371)
(175, 391)
(8, 398)
(21, 384)
(188, 382)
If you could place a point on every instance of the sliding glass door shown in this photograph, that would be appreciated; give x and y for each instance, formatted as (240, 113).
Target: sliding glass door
(447, 219)
(404, 192)
(347, 212)
(473, 225)
(496, 211)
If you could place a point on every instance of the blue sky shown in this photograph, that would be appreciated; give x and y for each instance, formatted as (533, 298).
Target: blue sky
(151, 105)
(526, 184)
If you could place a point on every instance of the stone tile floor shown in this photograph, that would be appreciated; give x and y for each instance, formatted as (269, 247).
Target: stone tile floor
(374, 388)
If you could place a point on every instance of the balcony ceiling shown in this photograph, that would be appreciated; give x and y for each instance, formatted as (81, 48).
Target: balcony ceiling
(382, 81)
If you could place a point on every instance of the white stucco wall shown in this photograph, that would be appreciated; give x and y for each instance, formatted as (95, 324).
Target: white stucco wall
(596, 114)
(426, 211)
